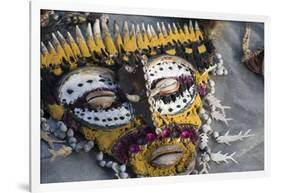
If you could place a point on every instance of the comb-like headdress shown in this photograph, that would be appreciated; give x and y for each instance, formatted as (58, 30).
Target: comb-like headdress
(99, 45)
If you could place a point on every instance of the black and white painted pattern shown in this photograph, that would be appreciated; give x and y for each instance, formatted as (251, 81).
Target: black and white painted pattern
(106, 118)
(165, 69)
(79, 84)
(183, 100)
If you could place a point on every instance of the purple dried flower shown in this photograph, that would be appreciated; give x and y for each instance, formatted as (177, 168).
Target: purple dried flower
(165, 133)
(186, 133)
(134, 148)
(202, 89)
(150, 137)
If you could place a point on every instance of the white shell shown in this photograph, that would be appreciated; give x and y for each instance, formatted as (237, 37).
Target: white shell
(87, 148)
(216, 134)
(78, 147)
(220, 63)
(115, 166)
(211, 83)
(102, 163)
(202, 146)
(202, 111)
(45, 126)
(158, 131)
(205, 116)
(61, 126)
(206, 128)
(43, 120)
(60, 134)
(70, 133)
(123, 168)
(123, 175)
(99, 156)
(209, 121)
(72, 140)
(213, 108)
(41, 112)
(218, 55)
(91, 144)
(206, 158)
(109, 164)
(225, 72)
(219, 71)
(73, 145)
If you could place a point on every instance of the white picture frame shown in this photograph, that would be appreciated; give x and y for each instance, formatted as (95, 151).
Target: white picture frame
(35, 6)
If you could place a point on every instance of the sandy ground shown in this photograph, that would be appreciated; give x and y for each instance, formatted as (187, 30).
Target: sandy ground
(241, 89)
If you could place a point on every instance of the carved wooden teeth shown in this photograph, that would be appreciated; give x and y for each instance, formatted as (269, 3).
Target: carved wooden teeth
(153, 33)
(61, 38)
(44, 49)
(143, 28)
(175, 28)
(116, 27)
(196, 27)
(97, 31)
(164, 30)
(126, 27)
(190, 25)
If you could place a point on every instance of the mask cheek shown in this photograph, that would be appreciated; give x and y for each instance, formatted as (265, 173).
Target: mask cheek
(107, 139)
(189, 116)
(145, 163)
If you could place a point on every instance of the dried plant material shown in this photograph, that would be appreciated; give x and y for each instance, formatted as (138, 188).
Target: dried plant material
(204, 162)
(254, 60)
(46, 137)
(212, 29)
(227, 139)
(219, 157)
(64, 151)
(216, 115)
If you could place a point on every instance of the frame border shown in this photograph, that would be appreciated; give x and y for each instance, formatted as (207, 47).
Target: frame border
(34, 82)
